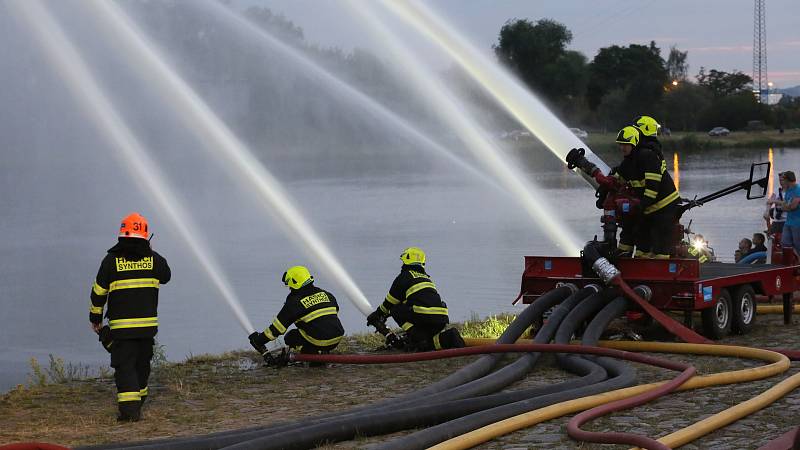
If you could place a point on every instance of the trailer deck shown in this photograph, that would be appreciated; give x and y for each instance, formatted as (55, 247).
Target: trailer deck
(723, 292)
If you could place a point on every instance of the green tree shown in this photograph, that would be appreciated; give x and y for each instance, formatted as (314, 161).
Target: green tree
(676, 64)
(723, 84)
(733, 111)
(637, 69)
(682, 106)
(537, 53)
(612, 110)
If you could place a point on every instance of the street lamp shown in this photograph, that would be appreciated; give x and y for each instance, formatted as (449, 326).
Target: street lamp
(674, 82)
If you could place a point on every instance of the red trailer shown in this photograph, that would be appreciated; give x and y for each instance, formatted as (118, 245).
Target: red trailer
(724, 294)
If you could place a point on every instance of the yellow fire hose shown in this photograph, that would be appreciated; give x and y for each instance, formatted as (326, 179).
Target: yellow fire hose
(778, 364)
(774, 309)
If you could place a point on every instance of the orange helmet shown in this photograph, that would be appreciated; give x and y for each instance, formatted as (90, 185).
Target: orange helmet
(133, 225)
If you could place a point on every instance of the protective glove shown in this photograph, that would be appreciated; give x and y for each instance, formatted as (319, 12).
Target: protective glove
(105, 338)
(376, 318)
(258, 341)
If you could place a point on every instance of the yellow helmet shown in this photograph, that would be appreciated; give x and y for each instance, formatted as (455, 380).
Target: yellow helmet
(413, 255)
(646, 125)
(628, 135)
(296, 277)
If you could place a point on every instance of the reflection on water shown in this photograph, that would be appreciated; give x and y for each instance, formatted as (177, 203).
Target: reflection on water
(475, 239)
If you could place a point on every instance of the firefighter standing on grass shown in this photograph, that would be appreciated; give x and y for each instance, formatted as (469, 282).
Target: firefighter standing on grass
(646, 172)
(314, 311)
(414, 303)
(127, 283)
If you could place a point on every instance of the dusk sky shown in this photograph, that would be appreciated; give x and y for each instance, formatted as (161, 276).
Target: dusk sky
(717, 33)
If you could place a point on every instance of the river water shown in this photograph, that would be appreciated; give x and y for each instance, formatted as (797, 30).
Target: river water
(60, 215)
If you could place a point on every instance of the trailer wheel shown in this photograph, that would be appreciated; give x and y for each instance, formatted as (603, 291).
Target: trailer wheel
(744, 309)
(717, 319)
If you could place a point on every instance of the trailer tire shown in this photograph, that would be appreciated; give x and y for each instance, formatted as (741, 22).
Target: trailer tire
(717, 319)
(744, 309)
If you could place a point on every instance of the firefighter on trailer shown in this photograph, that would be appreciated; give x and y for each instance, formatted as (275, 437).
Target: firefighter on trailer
(648, 134)
(414, 303)
(127, 284)
(647, 174)
(314, 312)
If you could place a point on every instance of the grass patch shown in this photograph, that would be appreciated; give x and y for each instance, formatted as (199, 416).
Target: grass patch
(60, 372)
(490, 327)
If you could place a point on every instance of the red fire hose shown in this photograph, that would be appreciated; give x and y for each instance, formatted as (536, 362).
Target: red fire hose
(484, 349)
(32, 446)
(787, 441)
(574, 425)
(668, 322)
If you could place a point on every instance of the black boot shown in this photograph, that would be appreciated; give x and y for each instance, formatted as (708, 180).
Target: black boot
(451, 339)
(129, 411)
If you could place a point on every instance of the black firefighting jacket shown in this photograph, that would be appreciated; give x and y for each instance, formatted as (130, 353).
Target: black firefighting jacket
(128, 281)
(414, 289)
(647, 174)
(314, 312)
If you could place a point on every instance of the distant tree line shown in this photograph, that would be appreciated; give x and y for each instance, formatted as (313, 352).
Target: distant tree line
(267, 99)
(622, 82)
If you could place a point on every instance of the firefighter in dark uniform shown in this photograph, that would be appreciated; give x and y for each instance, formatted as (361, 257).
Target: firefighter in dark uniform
(648, 134)
(313, 310)
(647, 174)
(414, 303)
(128, 282)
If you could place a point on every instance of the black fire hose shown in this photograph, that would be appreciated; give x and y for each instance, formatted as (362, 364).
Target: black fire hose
(465, 374)
(622, 375)
(517, 370)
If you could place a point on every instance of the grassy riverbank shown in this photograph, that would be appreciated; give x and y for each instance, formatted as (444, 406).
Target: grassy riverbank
(209, 393)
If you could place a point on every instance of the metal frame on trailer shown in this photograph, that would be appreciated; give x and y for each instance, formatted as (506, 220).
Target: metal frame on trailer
(682, 285)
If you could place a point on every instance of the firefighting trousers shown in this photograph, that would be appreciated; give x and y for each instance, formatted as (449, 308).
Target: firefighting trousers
(296, 341)
(130, 359)
(655, 231)
(426, 331)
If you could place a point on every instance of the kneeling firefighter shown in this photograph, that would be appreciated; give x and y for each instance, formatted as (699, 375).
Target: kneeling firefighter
(128, 282)
(414, 303)
(313, 311)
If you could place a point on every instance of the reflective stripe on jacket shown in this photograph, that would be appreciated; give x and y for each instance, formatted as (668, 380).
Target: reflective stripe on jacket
(315, 313)
(413, 287)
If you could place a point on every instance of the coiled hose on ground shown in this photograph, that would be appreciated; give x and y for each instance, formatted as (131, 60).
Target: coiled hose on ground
(778, 364)
(620, 375)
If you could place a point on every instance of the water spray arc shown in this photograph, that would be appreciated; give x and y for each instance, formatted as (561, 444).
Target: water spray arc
(471, 132)
(518, 100)
(130, 151)
(202, 120)
(347, 91)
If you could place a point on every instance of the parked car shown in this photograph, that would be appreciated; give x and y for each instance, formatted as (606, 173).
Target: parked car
(719, 131)
(580, 133)
(515, 135)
